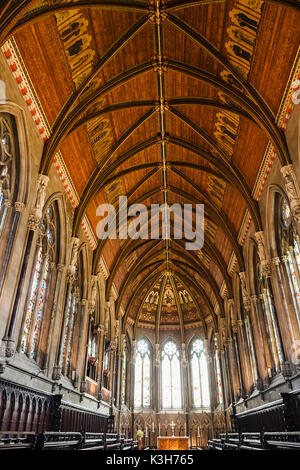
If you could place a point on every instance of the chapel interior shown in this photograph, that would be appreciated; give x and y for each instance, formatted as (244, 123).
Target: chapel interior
(140, 342)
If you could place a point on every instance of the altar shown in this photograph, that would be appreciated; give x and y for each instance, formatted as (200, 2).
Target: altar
(173, 443)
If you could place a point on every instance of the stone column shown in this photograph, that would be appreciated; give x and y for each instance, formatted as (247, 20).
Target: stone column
(228, 375)
(277, 263)
(260, 338)
(186, 403)
(132, 368)
(249, 330)
(246, 354)
(288, 284)
(85, 364)
(235, 328)
(70, 278)
(61, 345)
(33, 225)
(19, 207)
(156, 388)
(80, 346)
(100, 358)
(120, 366)
(59, 271)
(266, 271)
(100, 372)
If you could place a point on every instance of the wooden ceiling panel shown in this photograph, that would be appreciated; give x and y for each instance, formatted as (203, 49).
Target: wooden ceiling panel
(40, 47)
(260, 41)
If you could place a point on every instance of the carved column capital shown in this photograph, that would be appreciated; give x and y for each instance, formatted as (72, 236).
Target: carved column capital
(7, 203)
(19, 206)
(263, 254)
(276, 261)
(235, 326)
(33, 222)
(60, 267)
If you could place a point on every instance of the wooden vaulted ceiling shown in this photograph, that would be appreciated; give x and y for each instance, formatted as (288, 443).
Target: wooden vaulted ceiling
(165, 102)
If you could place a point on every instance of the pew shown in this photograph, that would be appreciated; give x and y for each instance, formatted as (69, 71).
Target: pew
(65, 441)
(256, 441)
(17, 440)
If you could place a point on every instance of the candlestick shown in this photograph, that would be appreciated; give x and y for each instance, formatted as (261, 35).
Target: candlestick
(152, 427)
(159, 429)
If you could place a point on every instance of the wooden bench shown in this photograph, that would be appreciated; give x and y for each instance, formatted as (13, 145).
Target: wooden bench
(17, 440)
(256, 441)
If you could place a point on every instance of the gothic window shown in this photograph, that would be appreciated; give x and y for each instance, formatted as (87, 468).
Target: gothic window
(171, 376)
(199, 374)
(142, 389)
(47, 252)
(288, 246)
(8, 163)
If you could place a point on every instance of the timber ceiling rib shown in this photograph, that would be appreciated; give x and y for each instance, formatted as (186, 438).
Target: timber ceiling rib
(165, 102)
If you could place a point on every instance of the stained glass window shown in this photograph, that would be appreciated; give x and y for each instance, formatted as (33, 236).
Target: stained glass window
(199, 373)
(46, 253)
(171, 376)
(142, 388)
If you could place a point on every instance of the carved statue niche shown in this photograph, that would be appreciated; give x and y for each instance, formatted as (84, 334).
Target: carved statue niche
(37, 210)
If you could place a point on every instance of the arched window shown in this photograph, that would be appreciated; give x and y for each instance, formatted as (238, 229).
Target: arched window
(171, 376)
(142, 388)
(47, 253)
(199, 374)
(8, 162)
(288, 247)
